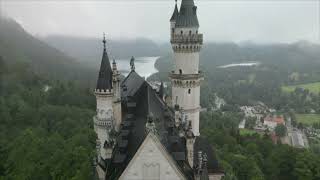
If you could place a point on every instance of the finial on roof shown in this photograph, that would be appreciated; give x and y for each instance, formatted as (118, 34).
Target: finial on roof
(104, 42)
(175, 1)
(132, 64)
(150, 125)
(114, 67)
(200, 161)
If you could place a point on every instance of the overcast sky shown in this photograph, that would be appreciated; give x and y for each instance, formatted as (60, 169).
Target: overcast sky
(220, 20)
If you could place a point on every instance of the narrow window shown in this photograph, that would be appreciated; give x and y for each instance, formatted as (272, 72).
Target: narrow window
(180, 71)
(189, 32)
(189, 91)
(181, 32)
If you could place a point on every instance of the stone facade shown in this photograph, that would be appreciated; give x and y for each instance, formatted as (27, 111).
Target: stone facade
(152, 162)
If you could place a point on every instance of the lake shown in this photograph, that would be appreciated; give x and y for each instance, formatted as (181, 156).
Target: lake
(144, 66)
(240, 64)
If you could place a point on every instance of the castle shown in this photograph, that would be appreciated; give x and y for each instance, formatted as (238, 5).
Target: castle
(139, 136)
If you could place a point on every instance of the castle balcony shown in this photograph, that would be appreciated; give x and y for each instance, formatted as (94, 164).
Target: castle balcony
(186, 38)
(198, 76)
(107, 123)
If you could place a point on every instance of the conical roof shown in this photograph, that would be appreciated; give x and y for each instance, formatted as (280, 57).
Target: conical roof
(175, 14)
(187, 15)
(105, 74)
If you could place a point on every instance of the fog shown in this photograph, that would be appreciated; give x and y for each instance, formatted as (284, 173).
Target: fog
(238, 21)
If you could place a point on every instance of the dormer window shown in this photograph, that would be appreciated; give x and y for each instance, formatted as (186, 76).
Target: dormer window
(194, 10)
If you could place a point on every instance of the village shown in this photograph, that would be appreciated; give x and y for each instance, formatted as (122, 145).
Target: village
(261, 119)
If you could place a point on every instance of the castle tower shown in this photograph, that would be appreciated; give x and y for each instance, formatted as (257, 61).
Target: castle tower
(104, 120)
(185, 78)
(117, 96)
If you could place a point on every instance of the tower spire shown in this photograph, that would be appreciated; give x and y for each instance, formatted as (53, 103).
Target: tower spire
(175, 13)
(104, 82)
(104, 42)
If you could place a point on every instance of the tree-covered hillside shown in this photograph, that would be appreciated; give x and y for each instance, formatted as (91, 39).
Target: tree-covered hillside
(17, 45)
(46, 109)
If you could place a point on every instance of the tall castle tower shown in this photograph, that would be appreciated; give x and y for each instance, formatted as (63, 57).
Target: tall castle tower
(185, 78)
(108, 117)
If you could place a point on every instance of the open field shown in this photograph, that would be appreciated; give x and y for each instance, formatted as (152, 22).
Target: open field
(312, 87)
(308, 119)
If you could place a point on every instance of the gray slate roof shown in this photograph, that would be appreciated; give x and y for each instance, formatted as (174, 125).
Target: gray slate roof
(187, 15)
(131, 84)
(105, 74)
(175, 14)
(143, 101)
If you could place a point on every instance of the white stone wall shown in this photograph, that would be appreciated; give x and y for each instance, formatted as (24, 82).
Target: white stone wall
(181, 96)
(151, 162)
(187, 62)
(105, 114)
(104, 107)
(190, 103)
(117, 115)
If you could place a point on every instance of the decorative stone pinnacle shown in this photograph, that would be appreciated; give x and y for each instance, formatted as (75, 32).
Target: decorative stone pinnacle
(132, 64)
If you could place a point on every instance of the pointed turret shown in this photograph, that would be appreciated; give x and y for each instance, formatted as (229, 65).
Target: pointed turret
(175, 13)
(132, 64)
(187, 15)
(161, 90)
(104, 82)
(114, 65)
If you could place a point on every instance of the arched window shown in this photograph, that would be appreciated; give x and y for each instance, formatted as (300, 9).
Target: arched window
(180, 71)
(181, 32)
(189, 91)
(197, 32)
(190, 32)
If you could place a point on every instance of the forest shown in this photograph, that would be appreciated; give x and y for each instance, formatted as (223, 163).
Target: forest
(44, 134)
(255, 157)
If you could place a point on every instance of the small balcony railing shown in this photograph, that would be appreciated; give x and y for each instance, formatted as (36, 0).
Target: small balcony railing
(183, 38)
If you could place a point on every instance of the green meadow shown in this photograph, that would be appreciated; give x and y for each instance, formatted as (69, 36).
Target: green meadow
(312, 87)
(308, 119)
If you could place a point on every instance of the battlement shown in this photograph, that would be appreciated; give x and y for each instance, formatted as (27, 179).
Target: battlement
(103, 92)
(186, 39)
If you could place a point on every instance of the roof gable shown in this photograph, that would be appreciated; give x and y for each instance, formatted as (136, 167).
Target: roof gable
(131, 84)
(152, 160)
